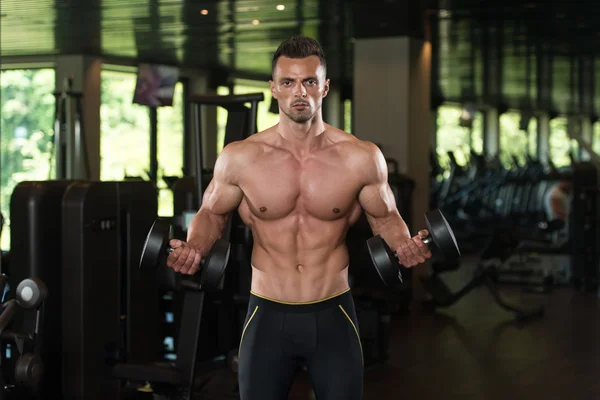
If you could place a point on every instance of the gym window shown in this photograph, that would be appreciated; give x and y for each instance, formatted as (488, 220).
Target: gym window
(514, 142)
(27, 126)
(124, 129)
(560, 143)
(460, 139)
(170, 148)
(125, 135)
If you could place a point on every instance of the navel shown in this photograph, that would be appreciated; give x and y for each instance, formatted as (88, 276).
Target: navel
(299, 267)
(336, 210)
(263, 209)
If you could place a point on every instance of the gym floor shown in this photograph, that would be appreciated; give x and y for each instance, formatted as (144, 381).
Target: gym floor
(476, 350)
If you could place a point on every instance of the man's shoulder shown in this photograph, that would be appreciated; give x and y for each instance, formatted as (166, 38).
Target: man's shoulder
(242, 147)
(362, 156)
(354, 146)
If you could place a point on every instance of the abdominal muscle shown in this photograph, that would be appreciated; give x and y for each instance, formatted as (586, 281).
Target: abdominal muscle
(299, 258)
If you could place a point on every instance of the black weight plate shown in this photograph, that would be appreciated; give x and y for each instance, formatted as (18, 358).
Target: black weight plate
(384, 261)
(214, 266)
(155, 245)
(442, 235)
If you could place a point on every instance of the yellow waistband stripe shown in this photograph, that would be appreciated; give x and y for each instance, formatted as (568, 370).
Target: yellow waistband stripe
(298, 303)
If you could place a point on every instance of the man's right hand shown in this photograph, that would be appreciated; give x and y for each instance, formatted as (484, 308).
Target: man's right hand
(185, 257)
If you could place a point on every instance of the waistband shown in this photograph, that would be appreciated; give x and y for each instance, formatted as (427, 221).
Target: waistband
(310, 306)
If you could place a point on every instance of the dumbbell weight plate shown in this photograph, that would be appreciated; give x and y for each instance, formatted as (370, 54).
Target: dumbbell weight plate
(441, 242)
(440, 232)
(156, 245)
(213, 267)
(156, 248)
(385, 262)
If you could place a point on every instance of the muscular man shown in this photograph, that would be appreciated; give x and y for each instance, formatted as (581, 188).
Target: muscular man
(299, 186)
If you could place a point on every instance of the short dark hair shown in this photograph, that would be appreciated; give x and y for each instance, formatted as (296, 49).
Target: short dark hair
(299, 46)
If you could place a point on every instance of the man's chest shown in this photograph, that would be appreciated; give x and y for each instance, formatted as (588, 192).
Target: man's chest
(276, 186)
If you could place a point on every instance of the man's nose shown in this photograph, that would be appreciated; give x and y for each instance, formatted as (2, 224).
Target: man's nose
(300, 90)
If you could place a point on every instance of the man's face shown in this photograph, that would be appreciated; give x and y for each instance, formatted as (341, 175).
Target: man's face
(299, 85)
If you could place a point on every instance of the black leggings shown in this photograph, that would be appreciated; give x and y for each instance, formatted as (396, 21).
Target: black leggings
(321, 335)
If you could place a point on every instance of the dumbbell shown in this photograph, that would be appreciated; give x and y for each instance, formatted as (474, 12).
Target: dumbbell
(441, 242)
(156, 249)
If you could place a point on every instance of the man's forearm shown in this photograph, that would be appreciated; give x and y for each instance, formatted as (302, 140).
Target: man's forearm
(393, 230)
(205, 228)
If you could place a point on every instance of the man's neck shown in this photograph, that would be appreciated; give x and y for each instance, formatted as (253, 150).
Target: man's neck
(301, 136)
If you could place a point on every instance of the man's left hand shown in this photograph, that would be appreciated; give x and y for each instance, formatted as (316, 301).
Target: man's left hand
(413, 251)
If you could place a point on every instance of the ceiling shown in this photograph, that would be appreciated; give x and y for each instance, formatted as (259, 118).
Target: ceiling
(523, 35)
(239, 35)
(474, 41)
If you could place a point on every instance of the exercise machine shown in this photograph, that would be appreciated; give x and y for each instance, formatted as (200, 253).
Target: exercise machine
(22, 377)
(36, 251)
(109, 312)
(178, 378)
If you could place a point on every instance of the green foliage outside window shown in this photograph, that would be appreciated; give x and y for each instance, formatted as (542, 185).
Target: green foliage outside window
(27, 127)
(514, 143)
(125, 136)
(170, 132)
(458, 139)
(560, 143)
(124, 129)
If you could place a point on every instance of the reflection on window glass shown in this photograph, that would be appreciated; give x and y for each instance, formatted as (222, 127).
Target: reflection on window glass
(27, 126)
(514, 143)
(124, 129)
(170, 149)
(451, 136)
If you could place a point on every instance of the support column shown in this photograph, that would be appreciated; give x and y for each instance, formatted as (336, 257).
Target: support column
(85, 74)
(543, 148)
(586, 135)
(392, 97)
(333, 108)
(199, 84)
(491, 132)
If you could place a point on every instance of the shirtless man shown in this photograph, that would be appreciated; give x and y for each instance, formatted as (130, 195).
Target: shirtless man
(299, 186)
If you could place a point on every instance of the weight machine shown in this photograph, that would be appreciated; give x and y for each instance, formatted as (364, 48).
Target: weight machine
(178, 379)
(20, 320)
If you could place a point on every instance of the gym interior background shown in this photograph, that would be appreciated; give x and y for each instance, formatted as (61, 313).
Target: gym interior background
(481, 107)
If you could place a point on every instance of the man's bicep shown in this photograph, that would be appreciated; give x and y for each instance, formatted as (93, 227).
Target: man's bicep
(376, 197)
(377, 201)
(223, 195)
